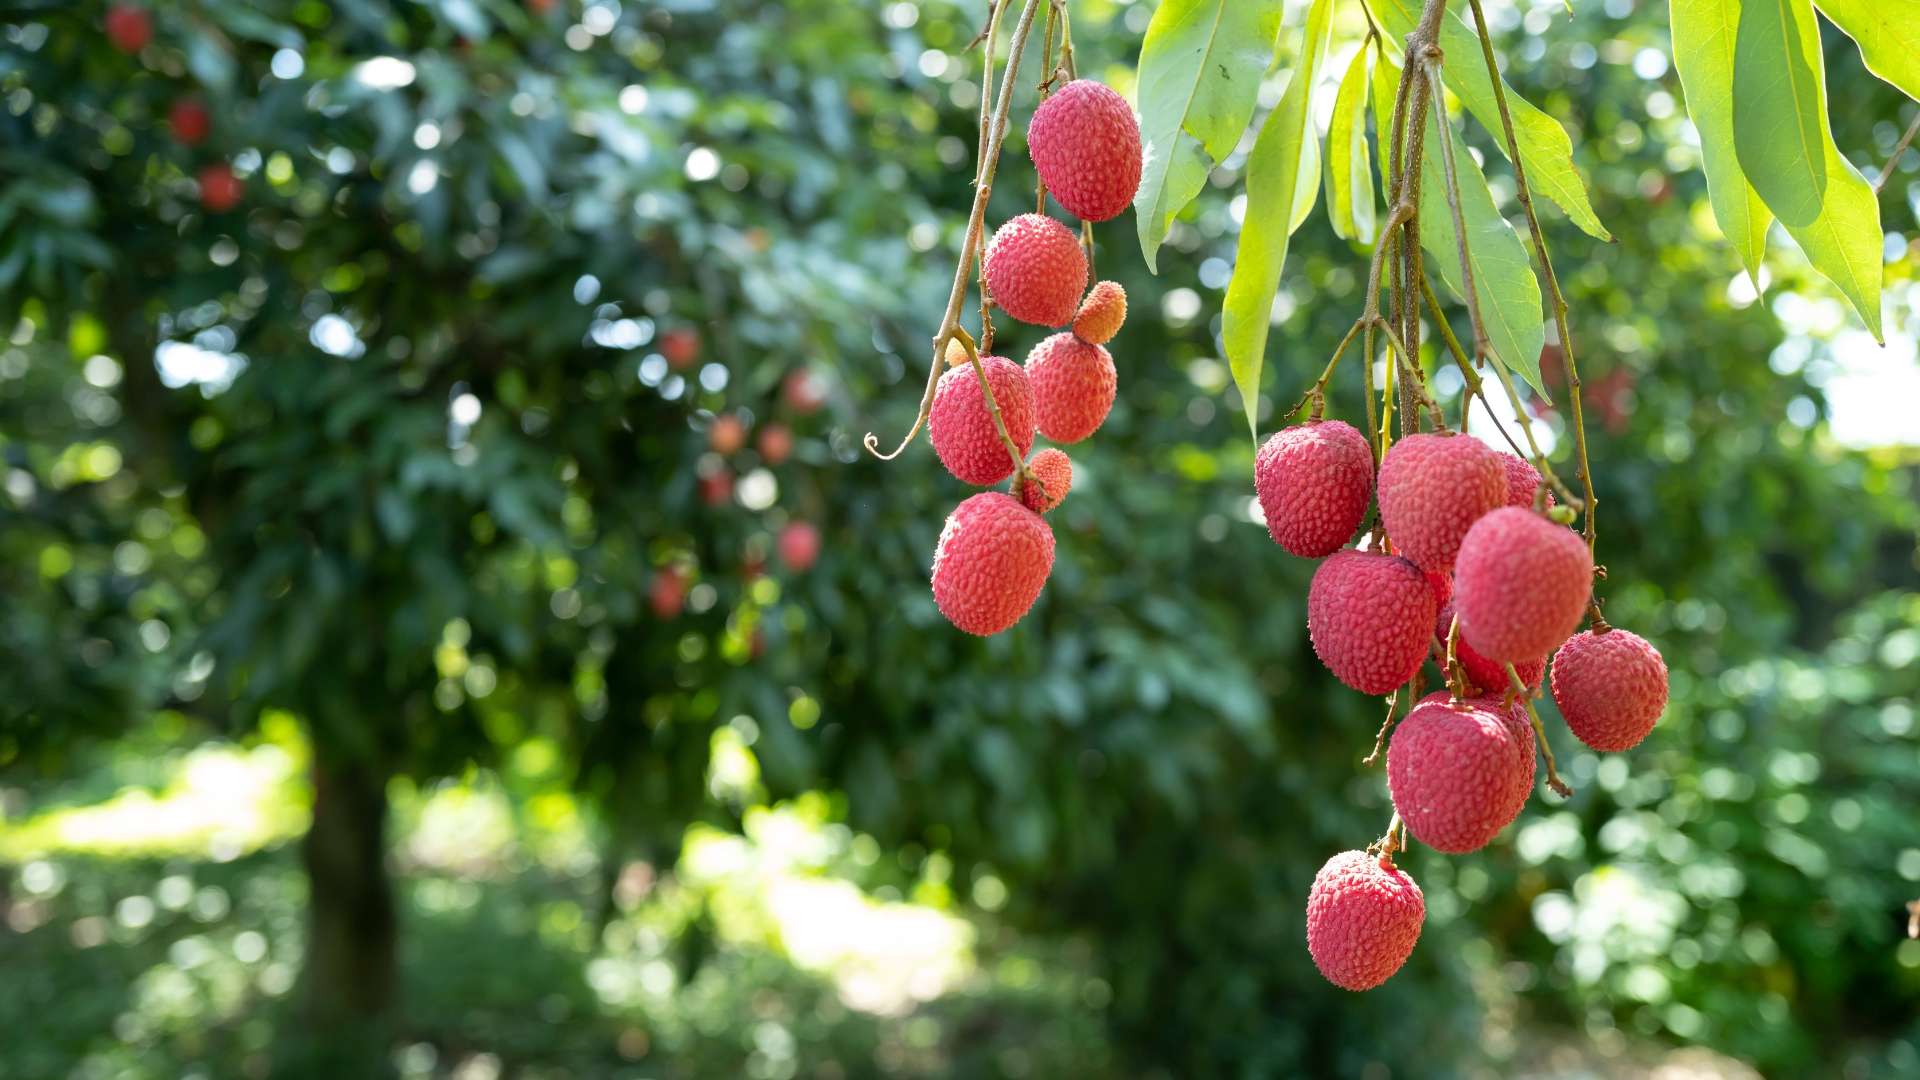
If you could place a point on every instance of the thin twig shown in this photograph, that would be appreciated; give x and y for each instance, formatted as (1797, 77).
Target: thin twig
(1525, 697)
(1893, 159)
(1380, 737)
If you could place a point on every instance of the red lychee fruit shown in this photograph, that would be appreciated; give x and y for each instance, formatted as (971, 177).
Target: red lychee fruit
(1370, 617)
(1363, 918)
(716, 487)
(775, 443)
(1520, 585)
(1101, 314)
(799, 545)
(1085, 144)
(1054, 471)
(993, 559)
(1610, 686)
(190, 121)
(1314, 481)
(1433, 487)
(1522, 479)
(681, 347)
(667, 592)
(1442, 586)
(129, 27)
(220, 190)
(803, 391)
(1073, 387)
(1454, 769)
(1485, 676)
(1036, 270)
(727, 434)
(962, 428)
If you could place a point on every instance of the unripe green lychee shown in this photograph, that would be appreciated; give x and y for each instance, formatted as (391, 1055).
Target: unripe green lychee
(992, 560)
(1074, 384)
(1370, 617)
(1101, 314)
(1454, 769)
(1036, 270)
(1314, 481)
(1085, 144)
(962, 427)
(1363, 919)
(1520, 585)
(1610, 686)
(1433, 487)
(1053, 477)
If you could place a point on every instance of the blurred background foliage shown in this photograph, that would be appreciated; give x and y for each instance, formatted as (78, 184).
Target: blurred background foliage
(449, 613)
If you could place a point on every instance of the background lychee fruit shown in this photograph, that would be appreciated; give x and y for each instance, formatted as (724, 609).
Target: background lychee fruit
(1454, 769)
(1522, 479)
(716, 487)
(1432, 489)
(1520, 585)
(1073, 387)
(799, 545)
(727, 434)
(1085, 144)
(129, 27)
(1484, 675)
(220, 190)
(1611, 687)
(775, 443)
(1363, 918)
(992, 560)
(667, 592)
(189, 121)
(1054, 471)
(1370, 617)
(1101, 314)
(681, 347)
(962, 429)
(803, 391)
(1036, 270)
(1314, 481)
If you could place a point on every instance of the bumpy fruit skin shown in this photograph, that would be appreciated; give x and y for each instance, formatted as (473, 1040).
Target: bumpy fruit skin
(1314, 481)
(1074, 384)
(220, 190)
(799, 545)
(1363, 919)
(1611, 688)
(993, 559)
(962, 428)
(1520, 585)
(190, 121)
(1085, 144)
(1101, 314)
(1432, 489)
(1370, 617)
(1442, 583)
(1036, 270)
(1522, 480)
(129, 27)
(1054, 471)
(1485, 676)
(1454, 769)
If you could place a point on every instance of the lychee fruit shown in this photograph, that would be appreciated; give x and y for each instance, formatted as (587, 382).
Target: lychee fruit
(1433, 487)
(1442, 583)
(1101, 314)
(220, 190)
(716, 487)
(992, 560)
(727, 434)
(129, 27)
(1454, 770)
(1363, 918)
(1485, 676)
(1611, 687)
(1522, 479)
(1036, 270)
(1370, 617)
(1314, 481)
(190, 121)
(1054, 472)
(1085, 144)
(799, 545)
(667, 592)
(803, 391)
(681, 347)
(1520, 585)
(1073, 387)
(775, 443)
(962, 427)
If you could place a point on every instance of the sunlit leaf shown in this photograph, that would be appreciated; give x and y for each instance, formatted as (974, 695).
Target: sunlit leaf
(1349, 172)
(1888, 33)
(1703, 37)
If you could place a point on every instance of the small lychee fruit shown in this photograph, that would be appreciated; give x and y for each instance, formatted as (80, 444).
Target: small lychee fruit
(1074, 384)
(1433, 487)
(1454, 769)
(962, 427)
(190, 121)
(803, 391)
(1054, 472)
(1370, 617)
(667, 592)
(1036, 270)
(1101, 314)
(727, 434)
(1485, 676)
(1363, 919)
(1314, 481)
(1522, 479)
(129, 27)
(1085, 144)
(1520, 585)
(716, 487)
(775, 443)
(1610, 686)
(681, 347)
(992, 560)
(799, 545)
(220, 190)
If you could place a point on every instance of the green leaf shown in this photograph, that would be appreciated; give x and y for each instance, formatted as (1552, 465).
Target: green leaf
(1273, 189)
(1781, 137)
(1307, 195)
(1703, 38)
(1888, 33)
(1545, 149)
(1200, 71)
(1349, 171)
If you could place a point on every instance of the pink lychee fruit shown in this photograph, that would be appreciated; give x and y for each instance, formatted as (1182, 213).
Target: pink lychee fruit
(1433, 487)
(190, 121)
(220, 189)
(1314, 481)
(992, 560)
(1053, 471)
(799, 545)
(1520, 585)
(681, 347)
(1074, 384)
(1363, 918)
(1522, 479)
(1370, 617)
(1454, 770)
(129, 27)
(775, 443)
(1085, 144)
(1442, 583)
(1101, 314)
(1484, 675)
(804, 391)
(962, 427)
(1036, 270)
(667, 592)
(716, 487)
(1611, 686)
(727, 434)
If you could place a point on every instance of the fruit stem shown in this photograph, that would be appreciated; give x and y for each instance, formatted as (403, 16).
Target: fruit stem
(1318, 393)
(1020, 473)
(1525, 697)
(1380, 737)
(1394, 840)
(1456, 676)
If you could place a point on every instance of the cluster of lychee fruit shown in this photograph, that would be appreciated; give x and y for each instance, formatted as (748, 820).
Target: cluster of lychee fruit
(1468, 567)
(995, 552)
(129, 28)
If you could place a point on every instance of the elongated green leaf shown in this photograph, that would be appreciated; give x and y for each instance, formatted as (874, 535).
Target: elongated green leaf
(1273, 186)
(1781, 137)
(1703, 38)
(1888, 33)
(1545, 149)
(1308, 193)
(1349, 172)
(1200, 71)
